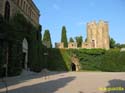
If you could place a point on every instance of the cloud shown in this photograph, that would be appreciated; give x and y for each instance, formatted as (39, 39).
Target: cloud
(56, 7)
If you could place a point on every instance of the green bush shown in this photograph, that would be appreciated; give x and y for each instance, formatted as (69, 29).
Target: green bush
(90, 59)
(58, 60)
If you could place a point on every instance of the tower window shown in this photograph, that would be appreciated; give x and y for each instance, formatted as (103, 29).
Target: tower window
(7, 11)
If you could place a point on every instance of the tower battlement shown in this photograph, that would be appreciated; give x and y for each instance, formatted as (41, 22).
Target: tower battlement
(97, 35)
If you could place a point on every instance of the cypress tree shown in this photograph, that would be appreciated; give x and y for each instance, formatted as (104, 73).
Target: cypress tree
(64, 37)
(47, 39)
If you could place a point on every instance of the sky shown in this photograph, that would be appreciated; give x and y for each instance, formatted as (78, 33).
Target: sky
(74, 14)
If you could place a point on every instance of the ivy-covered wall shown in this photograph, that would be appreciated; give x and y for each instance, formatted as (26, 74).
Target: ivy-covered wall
(90, 59)
(13, 33)
(58, 60)
(100, 60)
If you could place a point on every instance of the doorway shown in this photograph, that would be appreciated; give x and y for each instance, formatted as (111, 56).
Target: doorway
(25, 54)
(73, 66)
(23, 60)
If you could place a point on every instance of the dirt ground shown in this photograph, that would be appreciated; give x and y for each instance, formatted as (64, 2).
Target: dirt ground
(66, 82)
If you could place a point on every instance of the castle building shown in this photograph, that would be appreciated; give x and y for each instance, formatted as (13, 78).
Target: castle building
(97, 35)
(59, 45)
(9, 8)
(72, 45)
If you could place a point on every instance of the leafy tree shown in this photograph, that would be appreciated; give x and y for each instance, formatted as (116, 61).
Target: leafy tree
(122, 45)
(64, 37)
(117, 45)
(47, 39)
(71, 39)
(79, 40)
(112, 43)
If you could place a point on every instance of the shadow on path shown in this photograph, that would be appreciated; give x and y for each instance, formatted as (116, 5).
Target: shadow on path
(116, 84)
(23, 78)
(45, 87)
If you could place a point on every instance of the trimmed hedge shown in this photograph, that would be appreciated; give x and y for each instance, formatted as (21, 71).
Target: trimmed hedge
(58, 60)
(90, 59)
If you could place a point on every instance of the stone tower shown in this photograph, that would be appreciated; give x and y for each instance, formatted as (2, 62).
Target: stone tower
(97, 35)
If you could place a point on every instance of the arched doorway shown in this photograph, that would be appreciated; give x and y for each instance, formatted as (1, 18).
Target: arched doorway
(7, 11)
(73, 66)
(25, 54)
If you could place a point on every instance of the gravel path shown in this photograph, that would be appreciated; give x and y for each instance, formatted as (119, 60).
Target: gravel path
(67, 82)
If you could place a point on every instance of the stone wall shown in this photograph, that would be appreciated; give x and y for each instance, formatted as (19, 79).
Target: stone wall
(26, 7)
(59, 45)
(72, 45)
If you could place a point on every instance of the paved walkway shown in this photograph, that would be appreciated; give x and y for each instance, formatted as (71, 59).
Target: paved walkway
(70, 82)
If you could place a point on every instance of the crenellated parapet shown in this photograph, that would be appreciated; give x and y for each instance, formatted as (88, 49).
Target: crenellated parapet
(97, 35)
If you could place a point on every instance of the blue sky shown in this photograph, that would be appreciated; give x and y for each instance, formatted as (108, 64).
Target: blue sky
(74, 14)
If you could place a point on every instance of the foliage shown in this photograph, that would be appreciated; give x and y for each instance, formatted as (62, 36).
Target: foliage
(90, 59)
(64, 37)
(47, 39)
(58, 60)
(112, 43)
(14, 32)
(79, 40)
(100, 60)
(122, 46)
(118, 45)
(71, 39)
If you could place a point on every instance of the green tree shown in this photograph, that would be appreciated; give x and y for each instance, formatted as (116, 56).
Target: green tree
(117, 45)
(79, 40)
(71, 39)
(112, 43)
(122, 45)
(64, 37)
(47, 39)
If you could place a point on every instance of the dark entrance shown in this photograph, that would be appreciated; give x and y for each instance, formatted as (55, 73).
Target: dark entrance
(73, 67)
(23, 60)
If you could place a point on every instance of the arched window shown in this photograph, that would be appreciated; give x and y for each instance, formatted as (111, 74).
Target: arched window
(7, 11)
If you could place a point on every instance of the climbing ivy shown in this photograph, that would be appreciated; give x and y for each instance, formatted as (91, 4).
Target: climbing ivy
(14, 32)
